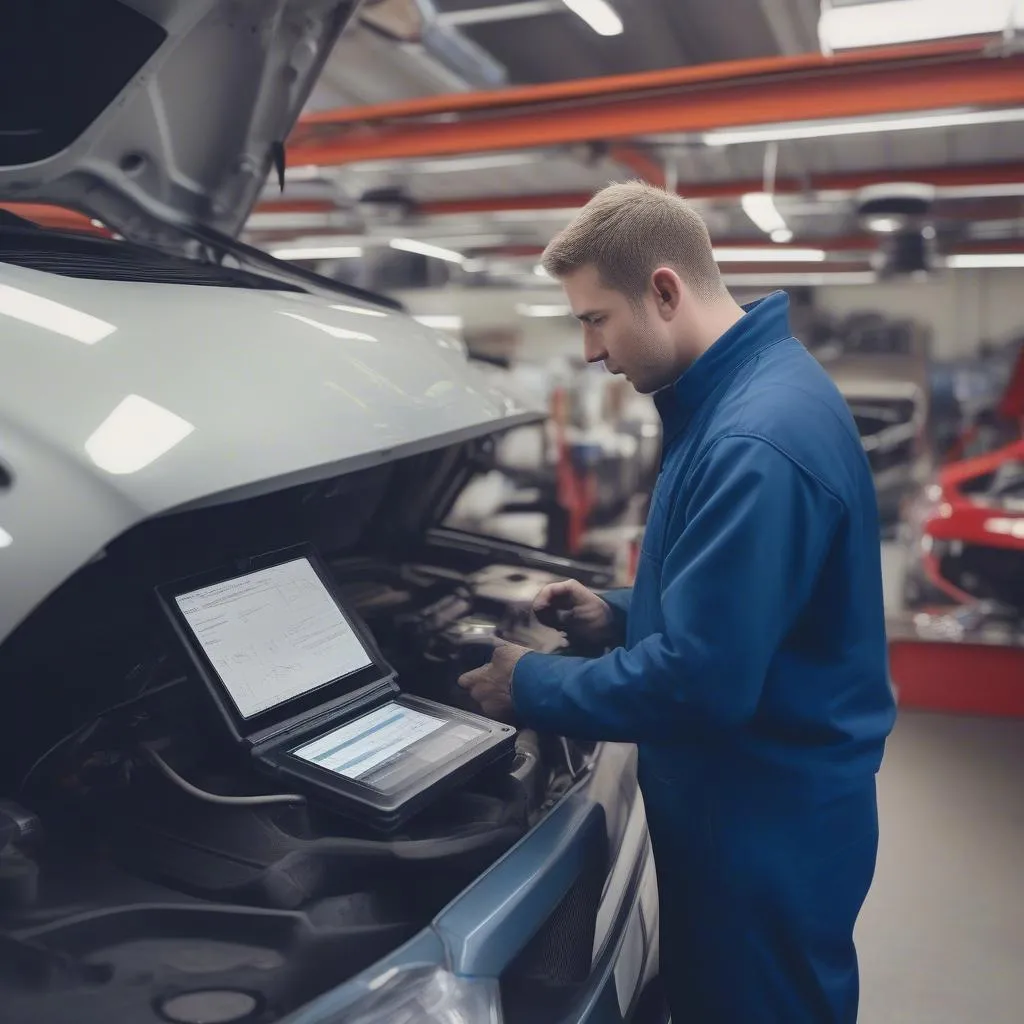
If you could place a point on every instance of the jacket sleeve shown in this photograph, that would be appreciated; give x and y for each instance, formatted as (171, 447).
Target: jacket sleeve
(744, 550)
(618, 600)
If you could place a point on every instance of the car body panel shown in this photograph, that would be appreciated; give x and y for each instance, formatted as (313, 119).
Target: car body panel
(481, 932)
(951, 515)
(198, 395)
(191, 137)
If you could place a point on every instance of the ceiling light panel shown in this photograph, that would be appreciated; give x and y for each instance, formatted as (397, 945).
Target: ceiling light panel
(891, 22)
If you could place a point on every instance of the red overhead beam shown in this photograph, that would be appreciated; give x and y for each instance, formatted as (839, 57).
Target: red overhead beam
(1005, 174)
(58, 218)
(696, 99)
(619, 85)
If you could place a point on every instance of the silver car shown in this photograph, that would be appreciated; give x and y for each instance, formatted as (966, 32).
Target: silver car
(172, 402)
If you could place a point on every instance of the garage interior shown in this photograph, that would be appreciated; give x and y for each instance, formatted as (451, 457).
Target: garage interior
(869, 164)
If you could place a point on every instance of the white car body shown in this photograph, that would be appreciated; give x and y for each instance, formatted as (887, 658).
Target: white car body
(134, 405)
(199, 394)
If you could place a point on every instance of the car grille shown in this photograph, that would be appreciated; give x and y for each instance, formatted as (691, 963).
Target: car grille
(540, 984)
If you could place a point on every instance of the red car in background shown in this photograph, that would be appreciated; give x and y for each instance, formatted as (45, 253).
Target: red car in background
(965, 531)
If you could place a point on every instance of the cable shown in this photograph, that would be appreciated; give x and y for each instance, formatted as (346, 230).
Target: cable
(81, 729)
(218, 798)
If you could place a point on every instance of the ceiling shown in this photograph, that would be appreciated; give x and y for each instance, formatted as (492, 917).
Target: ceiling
(488, 205)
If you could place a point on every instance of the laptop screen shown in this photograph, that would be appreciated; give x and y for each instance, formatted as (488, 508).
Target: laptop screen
(273, 635)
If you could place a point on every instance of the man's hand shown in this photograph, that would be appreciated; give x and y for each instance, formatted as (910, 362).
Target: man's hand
(491, 684)
(583, 616)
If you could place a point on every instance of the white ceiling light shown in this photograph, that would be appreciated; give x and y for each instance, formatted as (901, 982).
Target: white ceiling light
(823, 129)
(539, 271)
(795, 280)
(52, 316)
(985, 260)
(728, 254)
(445, 164)
(760, 208)
(134, 435)
(322, 252)
(6, 540)
(541, 310)
(782, 235)
(414, 245)
(884, 225)
(890, 22)
(598, 14)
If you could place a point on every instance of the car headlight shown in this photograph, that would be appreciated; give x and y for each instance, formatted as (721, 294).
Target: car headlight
(428, 995)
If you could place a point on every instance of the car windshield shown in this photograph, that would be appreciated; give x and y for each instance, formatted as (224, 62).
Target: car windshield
(101, 258)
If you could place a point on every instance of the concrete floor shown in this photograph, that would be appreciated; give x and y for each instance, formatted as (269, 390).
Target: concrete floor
(941, 938)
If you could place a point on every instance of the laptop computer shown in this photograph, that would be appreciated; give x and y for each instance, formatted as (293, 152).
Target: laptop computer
(302, 686)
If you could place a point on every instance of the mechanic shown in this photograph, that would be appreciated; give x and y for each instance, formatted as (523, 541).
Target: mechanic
(748, 661)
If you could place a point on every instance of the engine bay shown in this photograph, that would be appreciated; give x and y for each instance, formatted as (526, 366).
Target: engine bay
(125, 896)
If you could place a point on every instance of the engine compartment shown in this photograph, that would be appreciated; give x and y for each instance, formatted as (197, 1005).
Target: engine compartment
(123, 897)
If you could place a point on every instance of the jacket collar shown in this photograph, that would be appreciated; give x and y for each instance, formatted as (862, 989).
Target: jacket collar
(764, 323)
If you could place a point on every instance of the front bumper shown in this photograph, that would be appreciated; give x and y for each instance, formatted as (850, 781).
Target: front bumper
(478, 938)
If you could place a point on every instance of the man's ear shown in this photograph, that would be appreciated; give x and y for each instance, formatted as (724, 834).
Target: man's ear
(669, 291)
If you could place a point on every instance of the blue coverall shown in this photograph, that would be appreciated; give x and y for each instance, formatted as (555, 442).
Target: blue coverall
(753, 677)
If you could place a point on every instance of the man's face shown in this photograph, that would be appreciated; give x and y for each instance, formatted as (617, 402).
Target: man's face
(630, 339)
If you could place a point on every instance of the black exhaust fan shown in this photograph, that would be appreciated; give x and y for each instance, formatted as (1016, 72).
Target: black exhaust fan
(899, 215)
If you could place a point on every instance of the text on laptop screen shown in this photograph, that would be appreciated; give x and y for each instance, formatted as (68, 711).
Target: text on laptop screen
(273, 635)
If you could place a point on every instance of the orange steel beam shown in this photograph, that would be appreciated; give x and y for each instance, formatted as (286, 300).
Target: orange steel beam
(639, 163)
(58, 218)
(850, 244)
(684, 100)
(1005, 174)
(618, 85)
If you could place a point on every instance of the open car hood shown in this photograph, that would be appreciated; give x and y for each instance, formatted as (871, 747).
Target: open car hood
(155, 114)
(121, 402)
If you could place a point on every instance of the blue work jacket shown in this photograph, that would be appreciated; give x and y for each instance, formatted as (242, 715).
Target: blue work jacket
(754, 636)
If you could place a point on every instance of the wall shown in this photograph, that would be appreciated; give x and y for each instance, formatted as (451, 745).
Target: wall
(961, 306)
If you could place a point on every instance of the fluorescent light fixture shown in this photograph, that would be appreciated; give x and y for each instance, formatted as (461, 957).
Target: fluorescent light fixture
(890, 22)
(760, 208)
(598, 14)
(541, 310)
(728, 254)
(134, 435)
(539, 271)
(319, 252)
(446, 165)
(52, 316)
(335, 332)
(6, 540)
(359, 310)
(782, 235)
(796, 280)
(822, 129)
(304, 172)
(440, 322)
(427, 249)
(984, 260)
(885, 225)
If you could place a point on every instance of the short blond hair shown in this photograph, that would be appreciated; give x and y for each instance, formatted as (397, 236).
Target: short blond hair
(627, 231)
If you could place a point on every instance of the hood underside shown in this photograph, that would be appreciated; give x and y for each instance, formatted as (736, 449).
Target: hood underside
(155, 115)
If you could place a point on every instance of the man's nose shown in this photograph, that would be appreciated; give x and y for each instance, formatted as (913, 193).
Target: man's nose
(594, 351)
